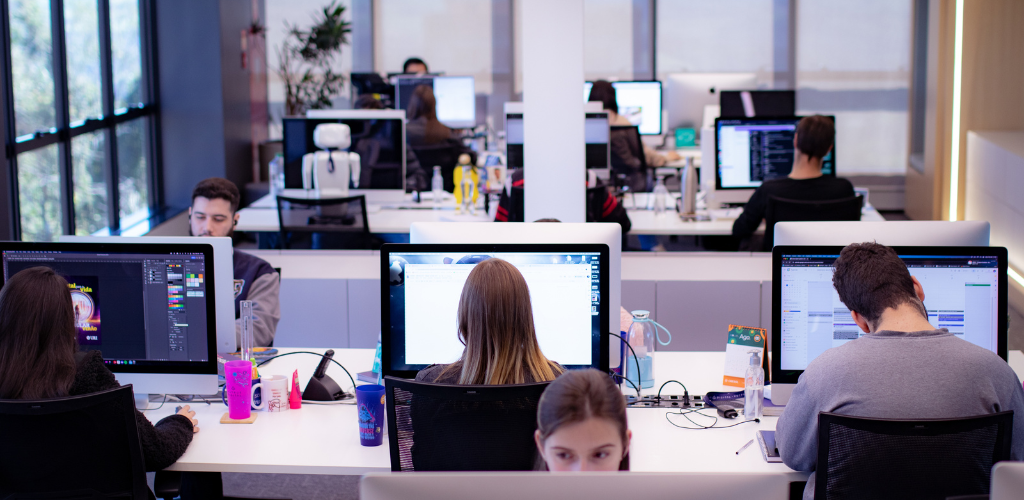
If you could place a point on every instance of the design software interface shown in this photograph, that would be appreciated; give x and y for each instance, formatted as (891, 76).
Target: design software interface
(961, 295)
(751, 151)
(426, 288)
(134, 308)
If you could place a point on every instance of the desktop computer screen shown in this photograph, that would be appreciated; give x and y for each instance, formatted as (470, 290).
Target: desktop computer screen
(568, 292)
(750, 151)
(639, 102)
(965, 292)
(455, 96)
(379, 141)
(149, 308)
(757, 103)
(596, 138)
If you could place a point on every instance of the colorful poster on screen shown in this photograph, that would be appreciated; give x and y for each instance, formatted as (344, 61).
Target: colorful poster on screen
(86, 303)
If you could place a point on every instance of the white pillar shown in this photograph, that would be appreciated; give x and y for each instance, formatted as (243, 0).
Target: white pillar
(554, 150)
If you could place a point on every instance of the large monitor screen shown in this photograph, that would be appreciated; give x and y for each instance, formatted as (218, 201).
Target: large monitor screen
(750, 151)
(965, 292)
(596, 138)
(639, 102)
(149, 308)
(568, 293)
(380, 143)
(455, 96)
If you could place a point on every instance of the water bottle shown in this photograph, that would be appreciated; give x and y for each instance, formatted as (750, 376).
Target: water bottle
(437, 187)
(642, 332)
(753, 389)
(277, 175)
(660, 196)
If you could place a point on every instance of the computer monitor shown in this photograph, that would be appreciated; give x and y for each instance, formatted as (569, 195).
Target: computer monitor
(686, 94)
(378, 135)
(421, 286)
(971, 233)
(596, 138)
(757, 103)
(455, 96)
(224, 263)
(147, 308)
(965, 291)
(639, 102)
(750, 151)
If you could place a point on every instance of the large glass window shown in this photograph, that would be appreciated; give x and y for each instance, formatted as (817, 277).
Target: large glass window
(79, 148)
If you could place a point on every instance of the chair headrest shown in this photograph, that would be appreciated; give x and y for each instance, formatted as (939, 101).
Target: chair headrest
(332, 135)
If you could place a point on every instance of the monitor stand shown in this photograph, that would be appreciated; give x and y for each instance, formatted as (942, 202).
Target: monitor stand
(142, 401)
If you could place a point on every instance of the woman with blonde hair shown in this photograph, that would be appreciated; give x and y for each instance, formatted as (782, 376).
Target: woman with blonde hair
(496, 326)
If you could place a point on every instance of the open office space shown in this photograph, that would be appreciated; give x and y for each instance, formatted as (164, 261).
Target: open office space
(287, 249)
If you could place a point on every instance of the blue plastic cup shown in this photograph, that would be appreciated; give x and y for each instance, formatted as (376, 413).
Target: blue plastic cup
(370, 409)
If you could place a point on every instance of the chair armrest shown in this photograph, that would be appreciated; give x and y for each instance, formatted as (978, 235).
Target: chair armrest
(167, 484)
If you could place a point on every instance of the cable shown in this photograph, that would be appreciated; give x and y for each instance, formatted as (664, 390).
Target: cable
(630, 382)
(158, 407)
(686, 392)
(265, 361)
(635, 358)
(700, 427)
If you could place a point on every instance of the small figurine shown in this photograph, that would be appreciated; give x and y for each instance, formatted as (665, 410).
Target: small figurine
(466, 181)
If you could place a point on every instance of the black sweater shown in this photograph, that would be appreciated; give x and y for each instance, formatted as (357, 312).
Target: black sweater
(163, 443)
(818, 188)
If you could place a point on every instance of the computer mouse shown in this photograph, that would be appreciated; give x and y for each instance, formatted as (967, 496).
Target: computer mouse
(727, 413)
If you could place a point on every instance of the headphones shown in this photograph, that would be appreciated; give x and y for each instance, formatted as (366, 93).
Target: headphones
(727, 413)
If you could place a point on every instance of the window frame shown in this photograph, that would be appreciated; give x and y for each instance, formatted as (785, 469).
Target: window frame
(64, 131)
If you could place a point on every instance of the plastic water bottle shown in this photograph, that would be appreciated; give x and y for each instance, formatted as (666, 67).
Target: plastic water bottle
(753, 389)
(437, 187)
(660, 196)
(641, 335)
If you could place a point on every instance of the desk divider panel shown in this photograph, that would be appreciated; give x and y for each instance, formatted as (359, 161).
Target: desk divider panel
(314, 313)
(698, 313)
(363, 313)
(639, 295)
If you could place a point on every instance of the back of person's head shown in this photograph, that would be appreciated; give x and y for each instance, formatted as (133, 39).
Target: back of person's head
(412, 61)
(603, 92)
(871, 278)
(38, 340)
(218, 188)
(423, 104)
(576, 397)
(368, 101)
(815, 135)
(496, 325)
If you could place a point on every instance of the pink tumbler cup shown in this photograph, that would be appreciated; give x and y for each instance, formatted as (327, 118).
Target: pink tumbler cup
(238, 388)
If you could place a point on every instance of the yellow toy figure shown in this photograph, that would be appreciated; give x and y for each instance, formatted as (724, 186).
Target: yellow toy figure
(466, 181)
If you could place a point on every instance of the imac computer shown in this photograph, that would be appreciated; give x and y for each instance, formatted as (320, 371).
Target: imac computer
(892, 233)
(421, 286)
(149, 308)
(687, 94)
(965, 292)
(757, 103)
(378, 136)
(455, 96)
(639, 102)
(749, 151)
(596, 137)
(224, 263)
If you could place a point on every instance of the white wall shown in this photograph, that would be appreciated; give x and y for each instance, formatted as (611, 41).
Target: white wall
(995, 175)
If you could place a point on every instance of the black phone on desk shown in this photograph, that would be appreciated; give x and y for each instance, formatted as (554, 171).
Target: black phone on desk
(770, 452)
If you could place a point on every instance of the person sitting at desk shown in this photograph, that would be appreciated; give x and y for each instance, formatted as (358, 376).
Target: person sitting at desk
(423, 128)
(581, 424)
(812, 142)
(214, 213)
(893, 370)
(415, 176)
(40, 359)
(496, 325)
(625, 151)
(414, 66)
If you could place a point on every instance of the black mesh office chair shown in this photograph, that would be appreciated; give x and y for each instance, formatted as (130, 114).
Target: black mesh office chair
(444, 155)
(440, 427)
(782, 209)
(324, 223)
(908, 459)
(75, 447)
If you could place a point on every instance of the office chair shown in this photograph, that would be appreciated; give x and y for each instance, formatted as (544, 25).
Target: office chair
(934, 458)
(74, 447)
(782, 209)
(380, 165)
(441, 427)
(329, 222)
(444, 155)
(628, 157)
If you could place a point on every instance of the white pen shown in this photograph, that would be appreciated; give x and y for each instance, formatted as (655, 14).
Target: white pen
(745, 446)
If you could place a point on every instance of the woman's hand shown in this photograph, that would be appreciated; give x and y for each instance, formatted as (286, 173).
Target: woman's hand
(672, 156)
(186, 412)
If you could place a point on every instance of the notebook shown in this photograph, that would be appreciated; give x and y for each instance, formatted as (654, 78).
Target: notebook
(766, 440)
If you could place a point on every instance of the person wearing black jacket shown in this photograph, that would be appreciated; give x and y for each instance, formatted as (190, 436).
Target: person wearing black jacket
(813, 140)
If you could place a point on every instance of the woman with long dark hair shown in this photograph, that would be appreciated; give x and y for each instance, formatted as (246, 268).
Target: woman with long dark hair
(423, 128)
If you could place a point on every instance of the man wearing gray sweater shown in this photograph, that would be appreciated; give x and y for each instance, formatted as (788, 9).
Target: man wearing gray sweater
(903, 368)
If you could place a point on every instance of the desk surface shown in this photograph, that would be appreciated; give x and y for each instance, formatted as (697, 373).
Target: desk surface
(324, 440)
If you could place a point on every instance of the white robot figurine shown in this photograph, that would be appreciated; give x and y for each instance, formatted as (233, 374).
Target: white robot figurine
(333, 168)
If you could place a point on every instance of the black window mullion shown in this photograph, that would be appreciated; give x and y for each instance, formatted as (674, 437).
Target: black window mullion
(60, 80)
(151, 93)
(10, 175)
(110, 144)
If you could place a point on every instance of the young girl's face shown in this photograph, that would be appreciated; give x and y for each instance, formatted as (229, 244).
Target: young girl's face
(591, 445)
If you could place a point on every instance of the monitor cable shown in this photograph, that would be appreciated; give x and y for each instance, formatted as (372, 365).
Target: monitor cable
(636, 359)
(265, 361)
(699, 427)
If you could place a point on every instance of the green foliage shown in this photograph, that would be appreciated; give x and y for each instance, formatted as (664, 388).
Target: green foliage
(306, 57)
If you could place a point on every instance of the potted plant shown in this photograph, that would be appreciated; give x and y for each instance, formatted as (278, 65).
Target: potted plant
(306, 57)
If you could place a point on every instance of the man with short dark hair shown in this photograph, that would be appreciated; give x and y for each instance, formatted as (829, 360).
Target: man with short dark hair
(904, 368)
(813, 140)
(414, 66)
(214, 213)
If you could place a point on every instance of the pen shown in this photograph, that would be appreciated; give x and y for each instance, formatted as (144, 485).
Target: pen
(745, 446)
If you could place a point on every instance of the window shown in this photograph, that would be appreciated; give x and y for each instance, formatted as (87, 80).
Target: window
(76, 94)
